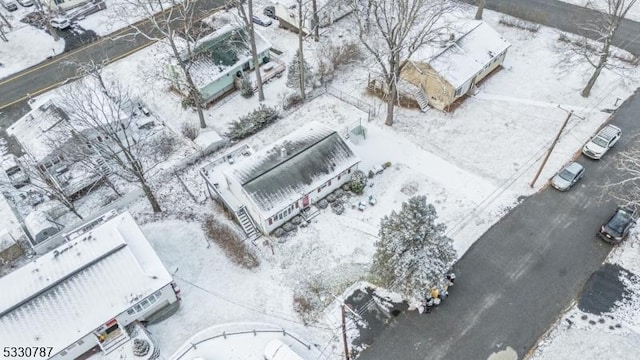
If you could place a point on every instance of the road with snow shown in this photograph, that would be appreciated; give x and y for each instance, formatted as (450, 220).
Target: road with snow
(566, 17)
(56, 71)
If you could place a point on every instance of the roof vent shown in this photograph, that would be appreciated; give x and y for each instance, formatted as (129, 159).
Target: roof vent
(283, 152)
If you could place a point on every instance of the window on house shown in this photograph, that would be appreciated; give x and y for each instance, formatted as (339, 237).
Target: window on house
(270, 221)
(137, 308)
(296, 204)
(157, 294)
(338, 176)
(152, 299)
(131, 312)
(458, 92)
(145, 304)
(329, 183)
(280, 216)
(349, 171)
(80, 342)
(320, 188)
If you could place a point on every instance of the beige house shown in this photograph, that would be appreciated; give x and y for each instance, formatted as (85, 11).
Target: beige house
(443, 75)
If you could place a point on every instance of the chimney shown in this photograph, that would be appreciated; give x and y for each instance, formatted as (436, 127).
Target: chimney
(452, 37)
(283, 152)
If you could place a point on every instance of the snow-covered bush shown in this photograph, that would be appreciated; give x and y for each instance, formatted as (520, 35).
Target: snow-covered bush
(332, 56)
(291, 100)
(296, 220)
(164, 144)
(190, 130)
(140, 347)
(358, 182)
(288, 227)
(337, 207)
(519, 23)
(322, 204)
(246, 87)
(413, 253)
(253, 122)
(278, 232)
(293, 75)
(230, 242)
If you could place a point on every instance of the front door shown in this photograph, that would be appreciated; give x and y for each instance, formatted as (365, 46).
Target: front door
(305, 201)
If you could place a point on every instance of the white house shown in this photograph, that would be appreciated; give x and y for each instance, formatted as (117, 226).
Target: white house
(79, 297)
(329, 11)
(266, 189)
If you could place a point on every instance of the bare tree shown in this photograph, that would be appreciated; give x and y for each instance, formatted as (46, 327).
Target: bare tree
(246, 16)
(47, 19)
(174, 23)
(301, 52)
(101, 120)
(316, 20)
(480, 9)
(627, 190)
(41, 179)
(608, 20)
(392, 31)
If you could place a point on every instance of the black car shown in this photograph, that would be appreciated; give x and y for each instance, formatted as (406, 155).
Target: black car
(618, 225)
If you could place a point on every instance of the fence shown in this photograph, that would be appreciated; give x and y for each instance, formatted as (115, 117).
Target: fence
(352, 100)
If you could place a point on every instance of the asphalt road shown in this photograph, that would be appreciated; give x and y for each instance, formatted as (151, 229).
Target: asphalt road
(565, 17)
(53, 72)
(520, 275)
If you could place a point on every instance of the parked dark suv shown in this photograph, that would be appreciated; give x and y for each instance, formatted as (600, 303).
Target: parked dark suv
(618, 225)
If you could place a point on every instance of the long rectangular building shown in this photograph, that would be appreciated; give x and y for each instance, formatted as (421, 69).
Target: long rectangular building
(80, 296)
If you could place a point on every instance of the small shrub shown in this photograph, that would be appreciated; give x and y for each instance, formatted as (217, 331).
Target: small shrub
(164, 144)
(246, 87)
(358, 182)
(337, 207)
(296, 220)
(322, 204)
(291, 100)
(190, 130)
(278, 232)
(330, 198)
(386, 165)
(253, 122)
(519, 23)
(370, 174)
(288, 227)
(338, 193)
(230, 243)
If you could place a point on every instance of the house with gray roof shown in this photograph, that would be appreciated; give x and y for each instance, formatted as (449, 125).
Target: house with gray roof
(267, 188)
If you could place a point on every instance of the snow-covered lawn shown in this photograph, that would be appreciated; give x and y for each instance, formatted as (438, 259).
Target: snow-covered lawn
(473, 165)
(27, 46)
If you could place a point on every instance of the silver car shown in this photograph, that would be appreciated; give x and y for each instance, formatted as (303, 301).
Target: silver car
(568, 176)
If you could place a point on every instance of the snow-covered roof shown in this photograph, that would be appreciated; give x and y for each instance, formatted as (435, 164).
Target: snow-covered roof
(274, 178)
(69, 292)
(10, 229)
(34, 130)
(473, 47)
(206, 68)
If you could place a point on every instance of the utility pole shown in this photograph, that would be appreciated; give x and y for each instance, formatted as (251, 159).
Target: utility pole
(344, 331)
(344, 307)
(544, 162)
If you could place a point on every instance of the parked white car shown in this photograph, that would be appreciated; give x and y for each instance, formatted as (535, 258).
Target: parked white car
(604, 140)
(60, 23)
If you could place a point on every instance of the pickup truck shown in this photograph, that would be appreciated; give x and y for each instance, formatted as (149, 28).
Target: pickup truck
(600, 143)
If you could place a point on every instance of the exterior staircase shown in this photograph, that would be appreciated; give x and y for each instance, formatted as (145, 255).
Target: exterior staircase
(422, 100)
(115, 342)
(103, 167)
(247, 223)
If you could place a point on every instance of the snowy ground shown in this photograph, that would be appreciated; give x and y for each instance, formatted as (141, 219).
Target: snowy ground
(473, 164)
(633, 14)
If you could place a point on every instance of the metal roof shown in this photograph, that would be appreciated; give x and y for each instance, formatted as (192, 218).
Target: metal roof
(65, 294)
(274, 177)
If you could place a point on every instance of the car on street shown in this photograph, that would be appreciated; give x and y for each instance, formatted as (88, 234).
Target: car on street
(568, 176)
(618, 225)
(600, 143)
(261, 20)
(9, 5)
(60, 23)
(25, 3)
